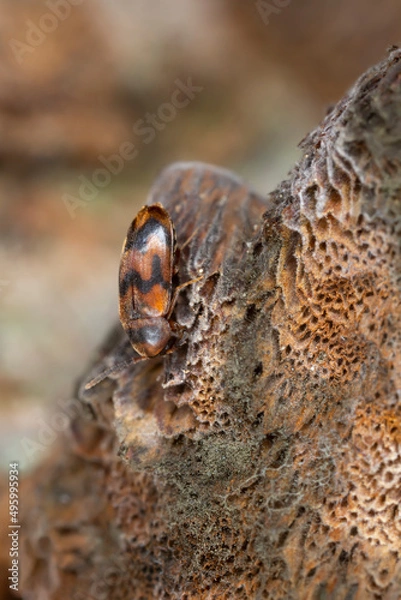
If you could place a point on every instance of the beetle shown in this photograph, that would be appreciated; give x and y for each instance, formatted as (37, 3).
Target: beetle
(147, 282)
(148, 287)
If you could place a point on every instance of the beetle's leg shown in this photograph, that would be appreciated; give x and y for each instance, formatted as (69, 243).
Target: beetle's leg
(189, 239)
(178, 290)
(180, 333)
(179, 248)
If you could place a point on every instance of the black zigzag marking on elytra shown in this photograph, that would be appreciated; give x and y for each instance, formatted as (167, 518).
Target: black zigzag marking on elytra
(152, 226)
(125, 283)
(133, 278)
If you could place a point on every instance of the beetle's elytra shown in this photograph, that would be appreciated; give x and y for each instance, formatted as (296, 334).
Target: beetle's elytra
(147, 269)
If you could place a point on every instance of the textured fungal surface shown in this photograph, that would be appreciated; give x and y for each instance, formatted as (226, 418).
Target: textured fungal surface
(261, 458)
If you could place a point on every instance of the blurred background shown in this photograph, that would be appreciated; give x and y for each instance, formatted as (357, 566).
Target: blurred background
(95, 98)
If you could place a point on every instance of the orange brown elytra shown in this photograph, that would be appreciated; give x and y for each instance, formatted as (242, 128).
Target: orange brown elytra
(147, 292)
(148, 288)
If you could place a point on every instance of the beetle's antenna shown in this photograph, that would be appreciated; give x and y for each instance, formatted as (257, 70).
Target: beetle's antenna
(111, 371)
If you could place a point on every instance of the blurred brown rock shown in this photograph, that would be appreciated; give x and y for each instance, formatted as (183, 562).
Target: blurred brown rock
(323, 46)
(59, 95)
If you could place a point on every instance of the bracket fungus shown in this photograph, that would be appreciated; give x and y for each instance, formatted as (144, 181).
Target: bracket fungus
(261, 458)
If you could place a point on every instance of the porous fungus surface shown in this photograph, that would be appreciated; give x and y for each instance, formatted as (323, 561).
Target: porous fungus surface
(261, 459)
